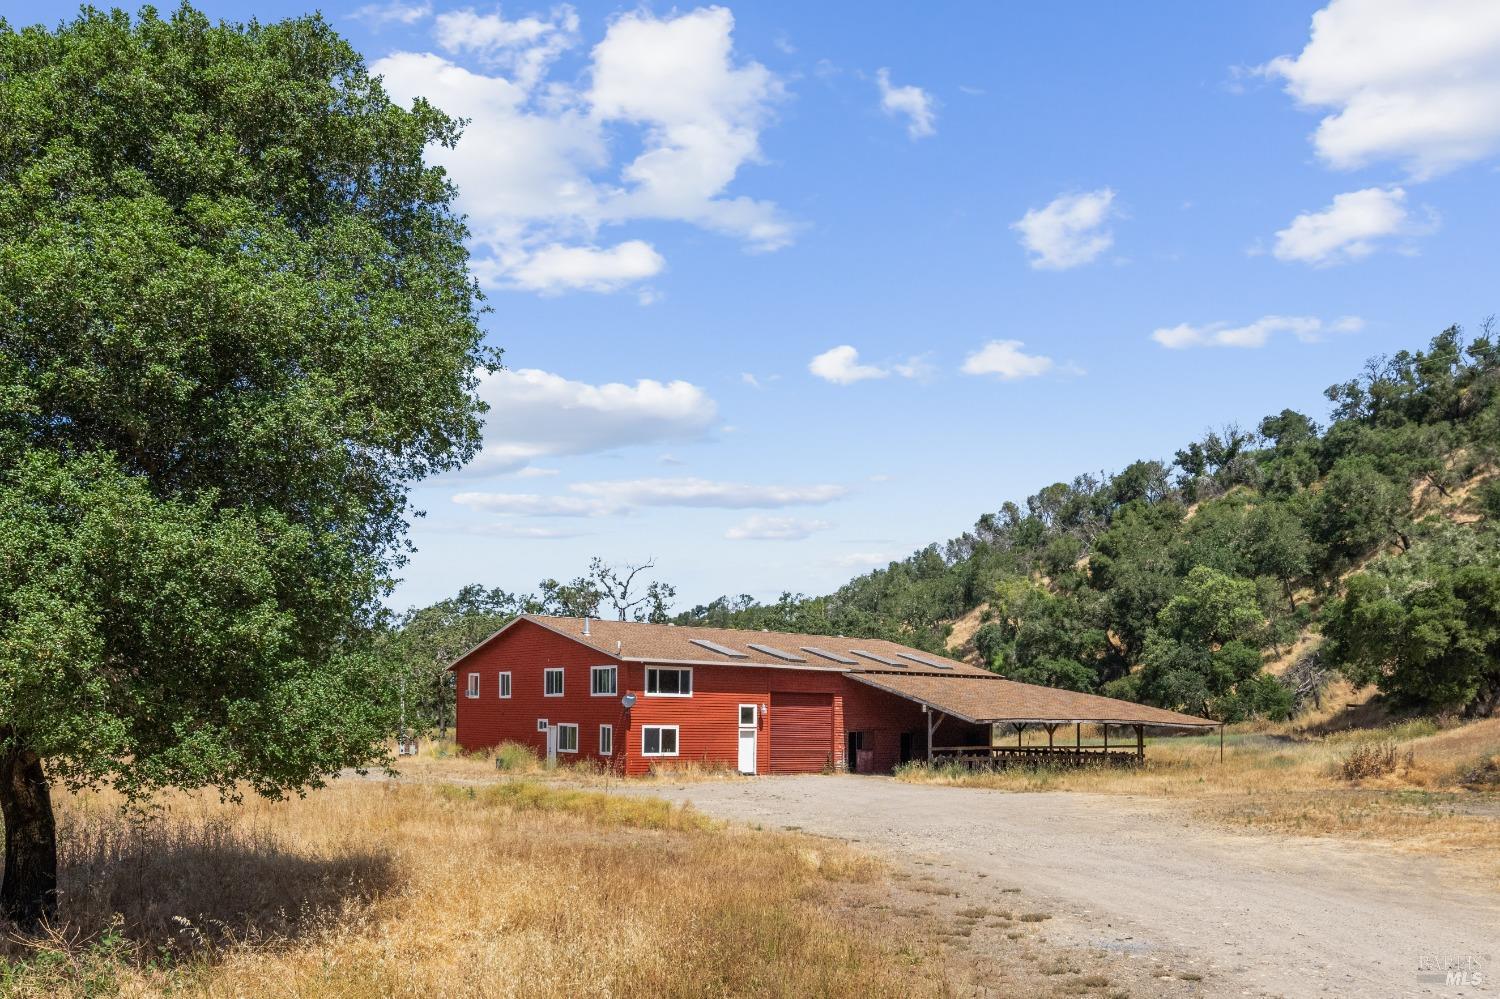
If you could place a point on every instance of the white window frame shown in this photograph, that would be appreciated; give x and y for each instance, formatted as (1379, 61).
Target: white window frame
(503, 684)
(652, 672)
(541, 724)
(754, 721)
(472, 687)
(606, 740)
(561, 681)
(562, 730)
(614, 681)
(676, 740)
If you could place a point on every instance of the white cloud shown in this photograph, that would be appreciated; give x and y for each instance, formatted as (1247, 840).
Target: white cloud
(538, 167)
(912, 103)
(1006, 360)
(525, 532)
(1349, 228)
(707, 493)
(524, 48)
(759, 527)
(554, 269)
(841, 366)
(603, 498)
(1413, 81)
(1069, 231)
(377, 15)
(1304, 328)
(536, 472)
(535, 414)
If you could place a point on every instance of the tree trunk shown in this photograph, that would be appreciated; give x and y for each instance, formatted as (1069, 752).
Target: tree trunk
(28, 892)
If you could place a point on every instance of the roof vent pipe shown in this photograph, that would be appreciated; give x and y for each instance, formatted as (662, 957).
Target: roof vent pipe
(585, 624)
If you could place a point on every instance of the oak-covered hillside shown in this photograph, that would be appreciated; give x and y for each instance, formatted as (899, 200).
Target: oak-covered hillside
(1237, 578)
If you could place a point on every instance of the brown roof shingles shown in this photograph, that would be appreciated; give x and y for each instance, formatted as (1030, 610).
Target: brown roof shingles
(992, 699)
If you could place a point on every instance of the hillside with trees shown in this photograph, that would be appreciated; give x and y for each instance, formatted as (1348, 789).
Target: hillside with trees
(1365, 546)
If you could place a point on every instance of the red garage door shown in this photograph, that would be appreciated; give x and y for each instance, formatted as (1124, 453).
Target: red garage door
(801, 733)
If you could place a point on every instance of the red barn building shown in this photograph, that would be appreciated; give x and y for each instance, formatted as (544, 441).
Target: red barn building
(633, 696)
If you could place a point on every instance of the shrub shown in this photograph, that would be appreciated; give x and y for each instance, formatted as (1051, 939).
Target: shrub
(1374, 759)
(515, 756)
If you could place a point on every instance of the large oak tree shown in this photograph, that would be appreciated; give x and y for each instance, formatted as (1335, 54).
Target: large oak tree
(236, 322)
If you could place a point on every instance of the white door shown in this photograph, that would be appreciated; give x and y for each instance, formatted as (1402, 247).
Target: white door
(551, 745)
(747, 750)
(748, 719)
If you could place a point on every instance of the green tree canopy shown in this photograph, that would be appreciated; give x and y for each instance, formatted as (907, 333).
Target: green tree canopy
(236, 322)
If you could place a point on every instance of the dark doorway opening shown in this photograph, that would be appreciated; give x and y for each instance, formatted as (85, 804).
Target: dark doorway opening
(853, 743)
(907, 741)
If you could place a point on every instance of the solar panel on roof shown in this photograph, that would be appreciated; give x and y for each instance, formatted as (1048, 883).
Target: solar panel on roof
(778, 653)
(925, 662)
(880, 659)
(722, 650)
(833, 656)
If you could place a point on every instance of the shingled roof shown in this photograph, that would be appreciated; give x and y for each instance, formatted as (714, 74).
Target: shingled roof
(955, 688)
(666, 643)
(992, 699)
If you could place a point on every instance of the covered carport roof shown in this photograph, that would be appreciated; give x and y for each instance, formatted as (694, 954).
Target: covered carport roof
(990, 699)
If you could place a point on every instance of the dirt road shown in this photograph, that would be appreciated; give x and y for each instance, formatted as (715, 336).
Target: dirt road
(1253, 914)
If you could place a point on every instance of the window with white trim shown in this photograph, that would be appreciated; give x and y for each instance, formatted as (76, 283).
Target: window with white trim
(606, 740)
(669, 682)
(472, 690)
(567, 738)
(541, 724)
(504, 684)
(603, 680)
(552, 680)
(747, 716)
(659, 740)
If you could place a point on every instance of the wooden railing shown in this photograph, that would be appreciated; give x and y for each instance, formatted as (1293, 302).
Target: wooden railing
(995, 757)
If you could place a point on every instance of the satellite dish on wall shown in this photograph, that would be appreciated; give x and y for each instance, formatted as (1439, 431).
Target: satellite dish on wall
(628, 701)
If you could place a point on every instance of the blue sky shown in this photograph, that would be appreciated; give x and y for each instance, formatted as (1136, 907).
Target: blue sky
(788, 290)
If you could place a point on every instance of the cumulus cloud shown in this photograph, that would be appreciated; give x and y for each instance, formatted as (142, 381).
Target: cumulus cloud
(1007, 361)
(841, 365)
(535, 414)
(759, 527)
(539, 168)
(378, 15)
(912, 103)
(1256, 334)
(604, 498)
(1072, 229)
(1411, 81)
(554, 269)
(1353, 226)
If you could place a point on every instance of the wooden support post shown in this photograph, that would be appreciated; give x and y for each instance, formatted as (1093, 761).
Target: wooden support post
(1221, 742)
(1050, 729)
(1020, 727)
(1078, 741)
(1106, 742)
(928, 713)
(1140, 742)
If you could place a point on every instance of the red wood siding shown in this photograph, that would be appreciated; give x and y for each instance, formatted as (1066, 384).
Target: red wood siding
(882, 717)
(525, 651)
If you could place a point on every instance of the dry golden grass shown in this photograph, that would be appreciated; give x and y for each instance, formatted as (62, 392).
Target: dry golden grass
(1439, 796)
(511, 888)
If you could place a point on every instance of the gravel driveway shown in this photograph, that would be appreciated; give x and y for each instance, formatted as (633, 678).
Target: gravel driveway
(1254, 914)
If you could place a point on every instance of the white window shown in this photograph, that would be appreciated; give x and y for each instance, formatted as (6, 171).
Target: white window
(553, 678)
(473, 689)
(669, 682)
(541, 724)
(747, 716)
(606, 740)
(602, 681)
(659, 740)
(567, 738)
(504, 684)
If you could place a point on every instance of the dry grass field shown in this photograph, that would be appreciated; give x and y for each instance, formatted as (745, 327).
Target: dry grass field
(1416, 785)
(517, 887)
